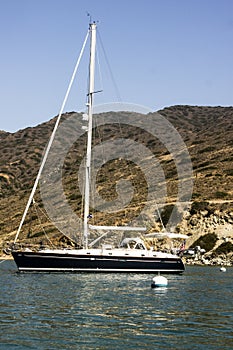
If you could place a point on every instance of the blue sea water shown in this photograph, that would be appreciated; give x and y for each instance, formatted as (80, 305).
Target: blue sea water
(116, 311)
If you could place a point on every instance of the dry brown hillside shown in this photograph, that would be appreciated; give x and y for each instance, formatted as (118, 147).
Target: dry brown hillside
(207, 132)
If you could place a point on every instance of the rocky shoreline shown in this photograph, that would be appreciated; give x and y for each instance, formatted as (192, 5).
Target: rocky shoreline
(208, 228)
(219, 261)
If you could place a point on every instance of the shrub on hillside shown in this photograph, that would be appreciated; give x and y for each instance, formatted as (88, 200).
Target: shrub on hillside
(224, 248)
(206, 242)
(221, 194)
(198, 206)
(166, 213)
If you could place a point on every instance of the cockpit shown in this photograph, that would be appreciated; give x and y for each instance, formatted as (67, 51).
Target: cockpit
(133, 243)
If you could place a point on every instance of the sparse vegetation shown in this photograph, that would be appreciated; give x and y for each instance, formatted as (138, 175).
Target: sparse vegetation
(229, 172)
(224, 248)
(206, 242)
(198, 206)
(207, 149)
(211, 154)
(221, 194)
(166, 213)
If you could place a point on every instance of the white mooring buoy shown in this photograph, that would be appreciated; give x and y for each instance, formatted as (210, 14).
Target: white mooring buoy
(222, 269)
(159, 281)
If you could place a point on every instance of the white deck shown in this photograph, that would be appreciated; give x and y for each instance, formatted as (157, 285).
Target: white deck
(111, 252)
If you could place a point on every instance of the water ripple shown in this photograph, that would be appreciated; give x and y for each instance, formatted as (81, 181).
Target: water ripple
(92, 311)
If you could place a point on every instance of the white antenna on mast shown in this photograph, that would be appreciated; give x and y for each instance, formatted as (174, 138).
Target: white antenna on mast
(89, 15)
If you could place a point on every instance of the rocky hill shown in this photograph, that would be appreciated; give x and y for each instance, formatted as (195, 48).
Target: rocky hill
(208, 135)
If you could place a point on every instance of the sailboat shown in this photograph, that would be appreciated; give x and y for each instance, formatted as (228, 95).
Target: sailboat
(130, 256)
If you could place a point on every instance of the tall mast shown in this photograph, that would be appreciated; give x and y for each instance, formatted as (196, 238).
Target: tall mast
(92, 30)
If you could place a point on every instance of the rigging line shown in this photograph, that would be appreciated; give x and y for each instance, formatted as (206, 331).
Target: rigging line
(118, 95)
(40, 222)
(51, 140)
(160, 218)
(99, 70)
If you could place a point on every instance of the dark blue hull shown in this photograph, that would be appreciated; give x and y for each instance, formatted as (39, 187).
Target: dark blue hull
(63, 262)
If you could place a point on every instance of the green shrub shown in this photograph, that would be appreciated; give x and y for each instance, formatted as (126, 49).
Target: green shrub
(224, 248)
(206, 242)
(196, 195)
(207, 149)
(166, 213)
(74, 196)
(229, 172)
(34, 235)
(221, 194)
(198, 206)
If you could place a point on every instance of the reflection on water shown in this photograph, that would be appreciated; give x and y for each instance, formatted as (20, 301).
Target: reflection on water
(160, 290)
(107, 311)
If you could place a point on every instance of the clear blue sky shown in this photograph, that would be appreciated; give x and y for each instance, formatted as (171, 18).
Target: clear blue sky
(161, 52)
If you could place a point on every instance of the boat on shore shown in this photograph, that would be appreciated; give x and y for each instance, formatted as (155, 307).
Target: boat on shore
(130, 256)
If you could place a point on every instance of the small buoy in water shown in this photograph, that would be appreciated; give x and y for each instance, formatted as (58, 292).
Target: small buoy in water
(159, 281)
(222, 269)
